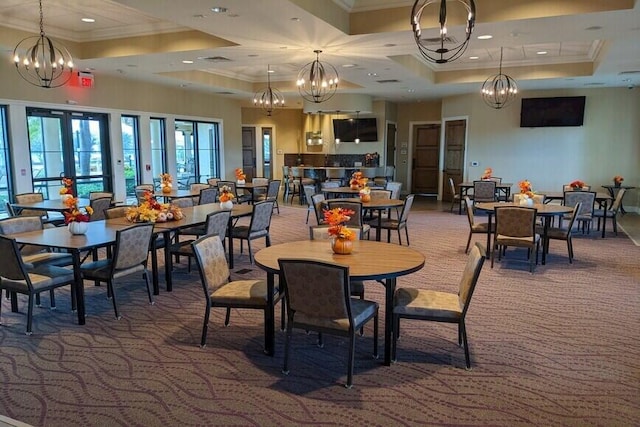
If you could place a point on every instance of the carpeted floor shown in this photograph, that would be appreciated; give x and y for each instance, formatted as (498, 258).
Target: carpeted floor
(557, 347)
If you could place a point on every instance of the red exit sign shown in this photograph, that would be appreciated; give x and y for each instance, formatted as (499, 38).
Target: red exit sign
(85, 79)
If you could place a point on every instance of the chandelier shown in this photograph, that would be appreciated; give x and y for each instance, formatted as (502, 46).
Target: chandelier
(434, 50)
(44, 63)
(270, 98)
(317, 81)
(499, 90)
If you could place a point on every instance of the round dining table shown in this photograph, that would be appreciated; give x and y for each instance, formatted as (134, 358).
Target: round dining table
(376, 205)
(369, 260)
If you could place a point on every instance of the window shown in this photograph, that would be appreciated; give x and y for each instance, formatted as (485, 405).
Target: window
(130, 153)
(197, 151)
(5, 182)
(158, 147)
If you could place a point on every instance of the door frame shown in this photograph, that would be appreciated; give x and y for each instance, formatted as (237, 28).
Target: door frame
(258, 146)
(386, 146)
(465, 170)
(412, 125)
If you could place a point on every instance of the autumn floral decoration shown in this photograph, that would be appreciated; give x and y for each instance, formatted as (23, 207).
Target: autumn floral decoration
(618, 179)
(358, 180)
(74, 213)
(166, 182)
(337, 218)
(150, 210)
(577, 184)
(240, 175)
(225, 194)
(526, 188)
(487, 173)
(67, 186)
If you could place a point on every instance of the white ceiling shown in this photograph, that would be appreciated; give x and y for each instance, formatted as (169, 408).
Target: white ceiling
(589, 43)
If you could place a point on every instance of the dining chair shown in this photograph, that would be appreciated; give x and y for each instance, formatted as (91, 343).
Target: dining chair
(309, 191)
(335, 175)
(215, 224)
(99, 205)
(130, 256)
(232, 189)
(182, 202)
(474, 226)
(140, 190)
(562, 233)
(299, 181)
(611, 212)
(196, 188)
(516, 227)
(116, 211)
(438, 306)
(400, 223)
(585, 214)
(455, 195)
(317, 296)
(568, 187)
(484, 191)
(218, 288)
(272, 194)
(16, 278)
(260, 192)
(356, 220)
(34, 198)
(213, 182)
(258, 227)
(100, 194)
(319, 204)
(287, 182)
(208, 195)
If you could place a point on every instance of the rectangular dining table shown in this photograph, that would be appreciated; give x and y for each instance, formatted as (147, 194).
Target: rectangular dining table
(464, 187)
(602, 199)
(251, 188)
(50, 205)
(363, 262)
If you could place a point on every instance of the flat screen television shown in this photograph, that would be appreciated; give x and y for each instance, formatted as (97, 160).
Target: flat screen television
(364, 128)
(546, 112)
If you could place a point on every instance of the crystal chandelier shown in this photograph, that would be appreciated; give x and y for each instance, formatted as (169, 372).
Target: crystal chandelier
(499, 90)
(44, 63)
(435, 50)
(270, 98)
(317, 81)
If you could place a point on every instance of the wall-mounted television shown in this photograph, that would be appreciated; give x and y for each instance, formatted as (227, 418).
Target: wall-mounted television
(546, 112)
(364, 128)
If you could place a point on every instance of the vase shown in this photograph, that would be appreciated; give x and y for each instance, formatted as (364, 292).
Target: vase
(166, 189)
(364, 198)
(240, 182)
(341, 246)
(355, 187)
(78, 227)
(228, 205)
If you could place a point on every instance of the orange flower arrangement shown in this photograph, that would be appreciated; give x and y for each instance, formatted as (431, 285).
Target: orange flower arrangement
(358, 180)
(240, 175)
(74, 214)
(225, 194)
(67, 186)
(577, 184)
(336, 218)
(150, 210)
(166, 181)
(618, 179)
(487, 173)
(525, 188)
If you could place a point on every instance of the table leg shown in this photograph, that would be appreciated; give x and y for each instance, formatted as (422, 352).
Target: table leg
(390, 288)
(166, 235)
(379, 229)
(545, 239)
(489, 221)
(230, 242)
(77, 277)
(604, 217)
(269, 318)
(462, 194)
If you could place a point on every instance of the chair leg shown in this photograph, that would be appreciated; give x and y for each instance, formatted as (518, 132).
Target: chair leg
(38, 299)
(112, 291)
(52, 299)
(394, 340)
(148, 282)
(205, 326)
(375, 337)
(406, 233)
(227, 316)
(30, 315)
(287, 345)
(352, 351)
(466, 250)
(570, 249)
(463, 331)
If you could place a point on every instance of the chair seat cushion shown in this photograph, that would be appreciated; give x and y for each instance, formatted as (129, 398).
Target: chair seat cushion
(501, 239)
(197, 230)
(602, 213)
(101, 270)
(46, 258)
(182, 248)
(362, 310)
(427, 303)
(482, 227)
(242, 232)
(242, 292)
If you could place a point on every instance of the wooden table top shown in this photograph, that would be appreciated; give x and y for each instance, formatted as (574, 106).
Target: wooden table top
(341, 190)
(364, 262)
(542, 208)
(53, 205)
(559, 195)
(373, 203)
(99, 233)
(176, 193)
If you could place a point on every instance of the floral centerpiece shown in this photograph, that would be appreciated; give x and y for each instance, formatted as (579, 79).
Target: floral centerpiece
(342, 236)
(240, 176)
(526, 193)
(487, 173)
(150, 210)
(365, 194)
(617, 180)
(577, 184)
(358, 181)
(74, 217)
(66, 192)
(166, 182)
(226, 197)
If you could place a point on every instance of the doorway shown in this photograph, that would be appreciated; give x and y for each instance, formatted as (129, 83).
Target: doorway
(390, 154)
(425, 159)
(249, 151)
(455, 132)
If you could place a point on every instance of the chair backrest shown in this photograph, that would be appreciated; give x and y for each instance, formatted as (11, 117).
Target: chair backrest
(208, 195)
(116, 212)
(355, 206)
(198, 186)
(514, 221)
(318, 202)
(22, 224)
(395, 188)
(484, 191)
(182, 202)
(260, 181)
(30, 198)
(229, 184)
(217, 223)
(618, 200)
(140, 191)
(212, 263)
(12, 267)
(99, 205)
(309, 191)
(469, 208)
(452, 187)
(406, 208)
(286, 173)
(321, 232)
(568, 187)
(470, 276)
(132, 246)
(273, 189)
(261, 216)
(296, 172)
(337, 174)
(495, 178)
(317, 290)
(330, 184)
(100, 194)
(148, 187)
(213, 181)
(380, 194)
(588, 198)
(574, 215)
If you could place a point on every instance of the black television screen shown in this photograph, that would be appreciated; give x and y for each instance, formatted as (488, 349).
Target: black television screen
(347, 129)
(544, 112)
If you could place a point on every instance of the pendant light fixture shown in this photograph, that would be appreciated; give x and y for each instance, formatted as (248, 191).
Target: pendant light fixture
(499, 90)
(434, 50)
(317, 81)
(41, 61)
(270, 98)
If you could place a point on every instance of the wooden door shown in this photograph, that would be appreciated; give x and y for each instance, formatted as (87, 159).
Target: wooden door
(426, 149)
(454, 146)
(390, 155)
(249, 152)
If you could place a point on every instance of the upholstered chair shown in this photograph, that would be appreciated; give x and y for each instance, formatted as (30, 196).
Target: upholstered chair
(516, 227)
(257, 228)
(475, 227)
(400, 223)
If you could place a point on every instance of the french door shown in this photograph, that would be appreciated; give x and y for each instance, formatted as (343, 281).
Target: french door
(71, 144)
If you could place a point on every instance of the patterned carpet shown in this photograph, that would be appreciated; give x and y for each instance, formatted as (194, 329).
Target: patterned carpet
(557, 347)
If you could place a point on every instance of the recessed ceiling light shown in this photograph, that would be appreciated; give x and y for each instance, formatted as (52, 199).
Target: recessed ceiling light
(411, 90)
(348, 65)
(485, 37)
(252, 55)
(90, 20)
(187, 61)
(390, 45)
(474, 57)
(542, 52)
(594, 28)
(218, 9)
(295, 19)
(270, 71)
(372, 74)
